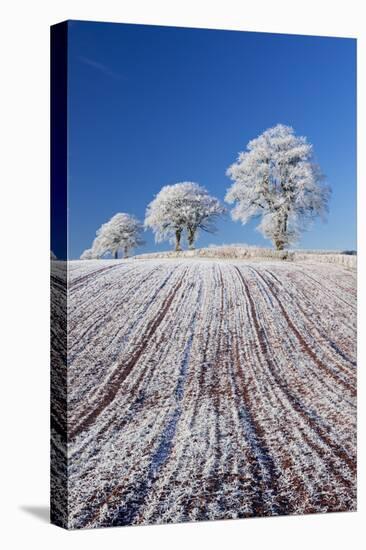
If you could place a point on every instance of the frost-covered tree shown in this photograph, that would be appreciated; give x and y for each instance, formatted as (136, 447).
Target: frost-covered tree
(182, 208)
(202, 210)
(164, 215)
(88, 254)
(121, 232)
(277, 180)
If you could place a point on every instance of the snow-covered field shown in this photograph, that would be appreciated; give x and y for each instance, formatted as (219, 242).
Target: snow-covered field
(245, 252)
(208, 389)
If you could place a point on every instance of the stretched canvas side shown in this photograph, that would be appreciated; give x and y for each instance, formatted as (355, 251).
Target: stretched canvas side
(59, 462)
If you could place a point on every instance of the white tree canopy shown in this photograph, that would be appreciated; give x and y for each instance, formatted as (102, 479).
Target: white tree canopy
(88, 254)
(277, 180)
(182, 207)
(122, 231)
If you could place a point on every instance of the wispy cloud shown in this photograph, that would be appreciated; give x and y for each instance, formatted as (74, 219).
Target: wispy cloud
(101, 68)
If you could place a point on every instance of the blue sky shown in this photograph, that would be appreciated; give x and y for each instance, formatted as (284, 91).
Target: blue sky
(151, 106)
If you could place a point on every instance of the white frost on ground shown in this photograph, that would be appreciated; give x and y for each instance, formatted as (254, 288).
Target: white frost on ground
(210, 389)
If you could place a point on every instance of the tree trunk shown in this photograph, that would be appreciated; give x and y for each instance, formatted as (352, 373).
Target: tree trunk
(191, 235)
(178, 234)
(280, 245)
(116, 255)
(280, 239)
(125, 252)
